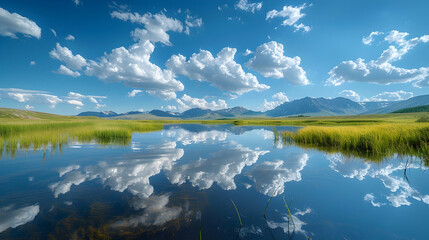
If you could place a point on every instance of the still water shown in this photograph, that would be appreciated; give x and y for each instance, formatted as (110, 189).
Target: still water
(180, 183)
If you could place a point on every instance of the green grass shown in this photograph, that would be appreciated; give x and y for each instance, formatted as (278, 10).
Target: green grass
(375, 142)
(41, 134)
(369, 136)
(423, 119)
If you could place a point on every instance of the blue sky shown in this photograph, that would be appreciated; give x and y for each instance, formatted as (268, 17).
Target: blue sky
(70, 56)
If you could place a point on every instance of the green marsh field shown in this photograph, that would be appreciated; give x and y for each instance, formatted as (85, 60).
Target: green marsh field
(370, 136)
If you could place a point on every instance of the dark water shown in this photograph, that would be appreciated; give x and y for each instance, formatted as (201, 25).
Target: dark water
(179, 183)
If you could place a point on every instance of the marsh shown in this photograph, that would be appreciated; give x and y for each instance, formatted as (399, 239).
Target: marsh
(178, 183)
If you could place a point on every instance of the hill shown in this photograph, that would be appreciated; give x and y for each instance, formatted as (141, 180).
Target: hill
(424, 108)
(9, 113)
(398, 105)
(98, 114)
(306, 106)
(317, 107)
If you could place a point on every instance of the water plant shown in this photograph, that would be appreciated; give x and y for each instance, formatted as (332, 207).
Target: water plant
(289, 213)
(268, 203)
(375, 142)
(238, 214)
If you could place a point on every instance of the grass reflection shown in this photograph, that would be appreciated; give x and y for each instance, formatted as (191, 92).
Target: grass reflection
(40, 135)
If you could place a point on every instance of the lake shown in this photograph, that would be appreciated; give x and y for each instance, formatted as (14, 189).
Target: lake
(183, 182)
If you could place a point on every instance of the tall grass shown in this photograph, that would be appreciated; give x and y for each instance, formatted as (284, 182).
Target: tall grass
(373, 141)
(35, 134)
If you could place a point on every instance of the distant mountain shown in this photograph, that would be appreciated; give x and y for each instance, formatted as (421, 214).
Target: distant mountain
(397, 105)
(305, 106)
(160, 113)
(131, 113)
(195, 112)
(103, 114)
(236, 111)
(424, 108)
(199, 113)
(317, 107)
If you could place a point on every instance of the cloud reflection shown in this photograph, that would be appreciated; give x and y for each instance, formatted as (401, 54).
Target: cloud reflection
(187, 137)
(270, 176)
(400, 189)
(156, 212)
(12, 218)
(299, 224)
(128, 174)
(221, 168)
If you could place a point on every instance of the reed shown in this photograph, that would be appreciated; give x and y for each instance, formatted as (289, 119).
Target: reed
(375, 142)
(43, 134)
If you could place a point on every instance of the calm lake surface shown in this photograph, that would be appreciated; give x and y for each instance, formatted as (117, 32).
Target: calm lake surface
(178, 183)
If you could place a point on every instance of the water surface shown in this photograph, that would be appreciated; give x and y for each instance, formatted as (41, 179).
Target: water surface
(178, 183)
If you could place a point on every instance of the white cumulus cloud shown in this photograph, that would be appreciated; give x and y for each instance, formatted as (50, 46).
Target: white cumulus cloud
(63, 54)
(156, 26)
(70, 37)
(66, 71)
(134, 92)
(270, 61)
(381, 71)
(192, 22)
(25, 96)
(186, 102)
(279, 98)
(248, 7)
(79, 98)
(291, 16)
(75, 102)
(390, 96)
(369, 39)
(350, 94)
(132, 66)
(13, 23)
(247, 52)
(220, 71)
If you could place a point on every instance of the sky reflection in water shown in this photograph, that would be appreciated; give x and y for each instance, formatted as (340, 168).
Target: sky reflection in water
(174, 183)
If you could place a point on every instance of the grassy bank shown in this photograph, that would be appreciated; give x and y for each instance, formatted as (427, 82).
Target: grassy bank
(369, 136)
(374, 142)
(40, 134)
(355, 120)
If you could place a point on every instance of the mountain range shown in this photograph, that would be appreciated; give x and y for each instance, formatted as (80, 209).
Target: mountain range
(305, 106)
